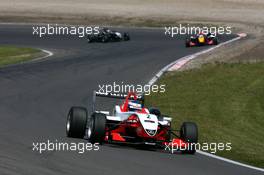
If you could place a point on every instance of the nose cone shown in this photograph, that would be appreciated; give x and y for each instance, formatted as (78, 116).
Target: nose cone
(149, 122)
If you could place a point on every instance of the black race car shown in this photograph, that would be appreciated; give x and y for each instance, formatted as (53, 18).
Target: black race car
(106, 35)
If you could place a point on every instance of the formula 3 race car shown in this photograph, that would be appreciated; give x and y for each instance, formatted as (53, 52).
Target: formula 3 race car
(201, 39)
(129, 123)
(107, 35)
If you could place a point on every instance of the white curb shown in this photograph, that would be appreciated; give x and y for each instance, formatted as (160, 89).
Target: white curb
(49, 54)
(229, 161)
(177, 64)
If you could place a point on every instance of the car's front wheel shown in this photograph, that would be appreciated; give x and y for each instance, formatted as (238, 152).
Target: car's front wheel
(76, 122)
(96, 128)
(189, 134)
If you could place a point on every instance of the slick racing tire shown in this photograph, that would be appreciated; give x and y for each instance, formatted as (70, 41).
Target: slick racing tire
(96, 128)
(215, 41)
(126, 37)
(156, 111)
(105, 39)
(187, 43)
(89, 40)
(189, 134)
(76, 122)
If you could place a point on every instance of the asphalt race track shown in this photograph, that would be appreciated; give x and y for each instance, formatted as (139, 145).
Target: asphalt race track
(35, 98)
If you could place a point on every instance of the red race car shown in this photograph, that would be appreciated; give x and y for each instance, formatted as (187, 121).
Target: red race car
(129, 123)
(201, 39)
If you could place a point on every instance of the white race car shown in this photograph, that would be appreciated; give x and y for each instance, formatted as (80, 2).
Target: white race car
(129, 123)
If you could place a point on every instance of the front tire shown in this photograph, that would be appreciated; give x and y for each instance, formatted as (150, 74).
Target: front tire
(96, 128)
(189, 134)
(76, 122)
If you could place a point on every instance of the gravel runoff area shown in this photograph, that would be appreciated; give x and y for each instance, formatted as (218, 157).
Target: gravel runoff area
(217, 10)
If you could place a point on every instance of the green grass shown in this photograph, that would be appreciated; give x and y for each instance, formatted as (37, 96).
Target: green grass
(12, 55)
(227, 103)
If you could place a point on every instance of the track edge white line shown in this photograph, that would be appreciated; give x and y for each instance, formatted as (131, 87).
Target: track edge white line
(49, 54)
(229, 160)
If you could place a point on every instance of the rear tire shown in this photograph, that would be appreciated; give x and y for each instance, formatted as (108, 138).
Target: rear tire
(76, 122)
(215, 41)
(96, 128)
(104, 39)
(187, 43)
(126, 37)
(156, 111)
(89, 40)
(189, 134)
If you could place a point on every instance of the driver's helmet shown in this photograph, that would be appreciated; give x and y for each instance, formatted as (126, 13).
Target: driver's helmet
(201, 38)
(134, 105)
(105, 30)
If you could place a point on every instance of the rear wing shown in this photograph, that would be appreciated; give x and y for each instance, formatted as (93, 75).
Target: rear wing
(116, 96)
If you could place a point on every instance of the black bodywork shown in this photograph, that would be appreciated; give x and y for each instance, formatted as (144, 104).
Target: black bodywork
(106, 35)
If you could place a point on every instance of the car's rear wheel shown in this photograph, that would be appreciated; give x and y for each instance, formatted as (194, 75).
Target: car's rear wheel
(187, 43)
(154, 111)
(89, 40)
(189, 134)
(76, 122)
(126, 37)
(215, 41)
(96, 128)
(105, 39)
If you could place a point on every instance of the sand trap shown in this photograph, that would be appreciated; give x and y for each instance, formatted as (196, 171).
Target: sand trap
(245, 11)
